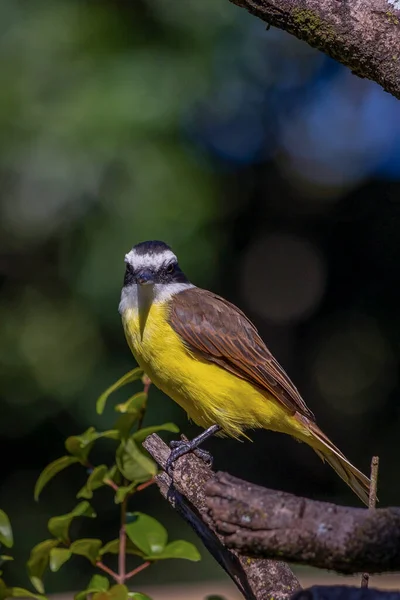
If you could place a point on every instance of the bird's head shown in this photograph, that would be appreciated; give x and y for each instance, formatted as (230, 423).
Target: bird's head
(152, 264)
(152, 275)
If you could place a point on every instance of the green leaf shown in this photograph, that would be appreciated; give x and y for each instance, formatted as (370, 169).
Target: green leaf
(95, 481)
(51, 470)
(88, 547)
(5, 558)
(81, 445)
(123, 492)
(214, 597)
(138, 596)
(58, 556)
(113, 548)
(179, 549)
(17, 592)
(133, 405)
(131, 411)
(118, 592)
(6, 534)
(99, 583)
(124, 424)
(147, 534)
(127, 378)
(59, 526)
(38, 562)
(142, 434)
(133, 464)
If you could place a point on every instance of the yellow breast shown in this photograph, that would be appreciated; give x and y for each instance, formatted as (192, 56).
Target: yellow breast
(209, 394)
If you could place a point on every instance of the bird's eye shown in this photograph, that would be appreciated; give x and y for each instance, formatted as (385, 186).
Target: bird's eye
(170, 268)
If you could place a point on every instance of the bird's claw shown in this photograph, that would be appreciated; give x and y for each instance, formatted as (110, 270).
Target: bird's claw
(179, 448)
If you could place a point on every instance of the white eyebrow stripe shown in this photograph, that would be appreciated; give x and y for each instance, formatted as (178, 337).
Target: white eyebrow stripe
(146, 261)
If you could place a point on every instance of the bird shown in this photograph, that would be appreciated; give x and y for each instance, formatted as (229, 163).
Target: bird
(205, 354)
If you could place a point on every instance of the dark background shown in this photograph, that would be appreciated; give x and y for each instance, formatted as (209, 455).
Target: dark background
(274, 174)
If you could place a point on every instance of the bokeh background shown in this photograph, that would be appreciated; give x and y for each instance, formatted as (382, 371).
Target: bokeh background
(274, 174)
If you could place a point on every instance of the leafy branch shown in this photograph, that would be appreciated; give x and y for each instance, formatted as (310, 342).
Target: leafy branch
(131, 471)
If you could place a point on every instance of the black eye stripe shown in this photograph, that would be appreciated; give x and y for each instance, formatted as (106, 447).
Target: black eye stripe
(129, 275)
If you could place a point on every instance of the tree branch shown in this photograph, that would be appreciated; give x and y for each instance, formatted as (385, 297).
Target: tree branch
(364, 35)
(257, 579)
(266, 523)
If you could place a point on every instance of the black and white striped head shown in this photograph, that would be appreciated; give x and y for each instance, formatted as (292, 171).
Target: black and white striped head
(152, 263)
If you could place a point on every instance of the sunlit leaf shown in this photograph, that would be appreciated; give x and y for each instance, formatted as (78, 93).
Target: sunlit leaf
(138, 596)
(58, 556)
(51, 470)
(17, 592)
(133, 464)
(81, 445)
(123, 491)
(101, 596)
(141, 435)
(134, 405)
(95, 481)
(99, 583)
(6, 534)
(5, 558)
(113, 548)
(118, 592)
(146, 533)
(88, 547)
(131, 412)
(127, 378)
(38, 562)
(180, 549)
(59, 526)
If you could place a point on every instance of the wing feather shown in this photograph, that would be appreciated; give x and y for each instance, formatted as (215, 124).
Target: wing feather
(217, 331)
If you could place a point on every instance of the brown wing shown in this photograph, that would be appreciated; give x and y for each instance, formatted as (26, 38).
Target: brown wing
(217, 331)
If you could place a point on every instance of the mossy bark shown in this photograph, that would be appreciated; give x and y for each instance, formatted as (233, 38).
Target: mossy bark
(364, 36)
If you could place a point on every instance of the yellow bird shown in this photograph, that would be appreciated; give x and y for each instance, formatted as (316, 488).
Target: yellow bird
(205, 354)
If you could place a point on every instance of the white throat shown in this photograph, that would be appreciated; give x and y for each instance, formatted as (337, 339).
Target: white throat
(161, 293)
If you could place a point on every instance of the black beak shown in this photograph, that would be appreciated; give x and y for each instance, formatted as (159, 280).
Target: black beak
(145, 277)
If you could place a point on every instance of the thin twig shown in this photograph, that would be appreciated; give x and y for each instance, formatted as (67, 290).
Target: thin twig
(137, 570)
(112, 484)
(145, 485)
(106, 569)
(122, 543)
(373, 489)
(147, 383)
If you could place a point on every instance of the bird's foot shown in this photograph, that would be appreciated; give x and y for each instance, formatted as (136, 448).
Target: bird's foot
(190, 446)
(180, 448)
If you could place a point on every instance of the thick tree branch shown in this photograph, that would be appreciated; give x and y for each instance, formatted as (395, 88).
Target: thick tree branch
(257, 579)
(364, 35)
(271, 524)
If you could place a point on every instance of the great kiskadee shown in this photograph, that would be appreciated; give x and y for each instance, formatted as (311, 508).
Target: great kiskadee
(205, 354)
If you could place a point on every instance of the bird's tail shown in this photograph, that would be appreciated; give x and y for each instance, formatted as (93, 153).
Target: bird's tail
(326, 450)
